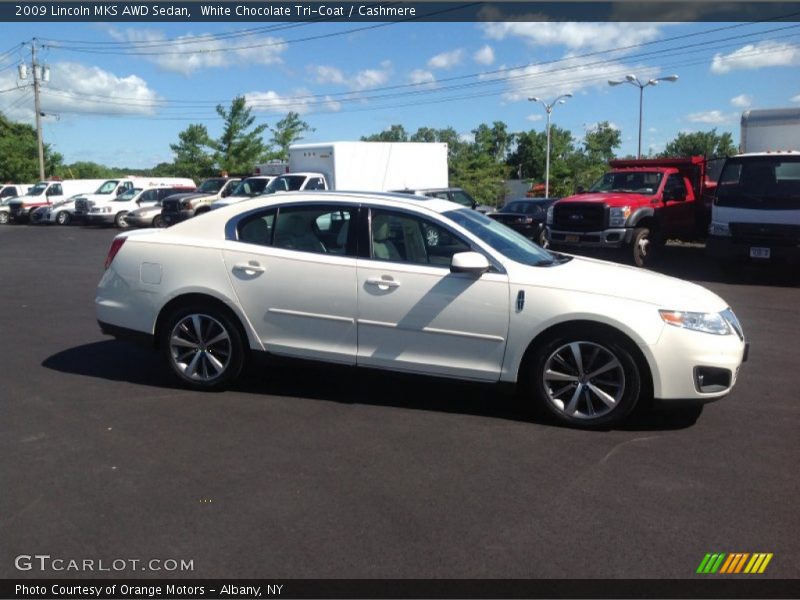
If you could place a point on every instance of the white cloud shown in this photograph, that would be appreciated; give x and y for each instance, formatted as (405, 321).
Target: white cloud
(484, 56)
(325, 74)
(712, 117)
(742, 101)
(446, 60)
(570, 75)
(300, 101)
(78, 88)
(757, 56)
(369, 78)
(189, 53)
(421, 76)
(534, 118)
(796, 98)
(536, 30)
(593, 126)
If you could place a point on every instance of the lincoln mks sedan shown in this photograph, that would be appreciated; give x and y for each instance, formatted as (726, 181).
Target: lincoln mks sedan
(417, 285)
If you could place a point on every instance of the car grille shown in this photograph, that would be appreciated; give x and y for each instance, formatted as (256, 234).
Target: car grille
(576, 216)
(170, 206)
(82, 205)
(766, 234)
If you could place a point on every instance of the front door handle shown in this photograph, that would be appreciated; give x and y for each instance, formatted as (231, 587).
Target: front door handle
(387, 283)
(254, 267)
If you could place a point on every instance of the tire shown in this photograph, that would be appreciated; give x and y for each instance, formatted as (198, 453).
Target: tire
(63, 218)
(571, 390)
(541, 238)
(203, 346)
(645, 247)
(158, 221)
(119, 220)
(4, 218)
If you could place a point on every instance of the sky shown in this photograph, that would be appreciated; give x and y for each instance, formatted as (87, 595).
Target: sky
(120, 93)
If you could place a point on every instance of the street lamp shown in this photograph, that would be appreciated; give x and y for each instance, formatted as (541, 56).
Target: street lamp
(633, 80)
(548, 109)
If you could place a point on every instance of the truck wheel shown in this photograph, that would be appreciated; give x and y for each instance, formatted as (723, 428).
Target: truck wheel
(541, 238)
(63, 218)
(584, 378)
(644, 247)
(120, 221)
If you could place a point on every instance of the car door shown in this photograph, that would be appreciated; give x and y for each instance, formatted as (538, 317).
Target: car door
(678, 211)
(414, 314)
(298, 292)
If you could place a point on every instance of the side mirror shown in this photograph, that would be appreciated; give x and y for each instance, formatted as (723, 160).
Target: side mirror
(469, 262)
(580, 190)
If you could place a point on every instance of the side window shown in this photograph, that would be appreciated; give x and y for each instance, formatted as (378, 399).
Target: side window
(55, 190)
(463, 199)
(401, 237)
(149, 196)
(674, 187)
(258, 229)
(321, 229)
(315, 184)
(442, 195)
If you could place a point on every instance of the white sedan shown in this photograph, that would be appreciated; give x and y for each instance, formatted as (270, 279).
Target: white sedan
(359, 279)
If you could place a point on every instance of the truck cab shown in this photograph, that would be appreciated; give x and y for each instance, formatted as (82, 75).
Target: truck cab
(296, 182)
(179, 207)
(635, 207)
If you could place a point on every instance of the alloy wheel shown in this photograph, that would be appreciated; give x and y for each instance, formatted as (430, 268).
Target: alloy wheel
(200, 348)
(583, 380)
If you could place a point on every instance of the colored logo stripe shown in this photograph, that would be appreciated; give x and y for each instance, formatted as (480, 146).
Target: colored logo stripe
(723, 563)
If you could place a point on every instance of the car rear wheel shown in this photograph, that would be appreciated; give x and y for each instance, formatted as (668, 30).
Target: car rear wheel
(63, 218)
(120, 221)
(203, 346)
(158, 221)
(587, 380)
(3, 217)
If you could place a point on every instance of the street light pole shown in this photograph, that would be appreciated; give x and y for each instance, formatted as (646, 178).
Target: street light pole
(548, 108)
(633, 80)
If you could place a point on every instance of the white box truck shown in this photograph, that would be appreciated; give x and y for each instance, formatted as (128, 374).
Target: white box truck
(364, 167)
(756, 212)
(50, 193)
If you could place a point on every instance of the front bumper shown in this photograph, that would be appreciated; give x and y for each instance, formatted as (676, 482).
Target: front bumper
(607, 238)
(731, 249)
(695, 365)
(136, 221)
(172, 218)
(100, 218)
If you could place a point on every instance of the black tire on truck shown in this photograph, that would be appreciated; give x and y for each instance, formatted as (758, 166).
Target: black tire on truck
(645, 247)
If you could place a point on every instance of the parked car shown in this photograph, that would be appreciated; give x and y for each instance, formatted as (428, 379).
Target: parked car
(60, 212)
(526, 216)
(246, 188)
(116, 212)
(146, 216)
(5, 214)
(453, 194)
(178, 208)
(350, 278)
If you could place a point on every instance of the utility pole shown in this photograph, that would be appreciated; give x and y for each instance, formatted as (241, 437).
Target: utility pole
(37, 108)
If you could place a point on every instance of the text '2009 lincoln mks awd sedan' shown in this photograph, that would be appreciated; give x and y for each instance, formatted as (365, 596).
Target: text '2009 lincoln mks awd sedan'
(418, 285)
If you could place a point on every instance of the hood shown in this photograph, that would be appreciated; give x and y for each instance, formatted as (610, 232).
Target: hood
(188, 196)
(612, 198)
(609, 279)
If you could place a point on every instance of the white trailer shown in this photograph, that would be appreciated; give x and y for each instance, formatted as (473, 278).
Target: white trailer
(770, 130)
(364, 166)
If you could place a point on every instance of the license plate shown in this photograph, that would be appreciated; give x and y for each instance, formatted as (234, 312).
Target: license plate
(572, 238)
(759, 252)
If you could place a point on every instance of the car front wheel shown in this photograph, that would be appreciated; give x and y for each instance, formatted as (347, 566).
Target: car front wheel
(63, 218)
(587, 380)
(120, 221)
(3, 217)
(203, 347)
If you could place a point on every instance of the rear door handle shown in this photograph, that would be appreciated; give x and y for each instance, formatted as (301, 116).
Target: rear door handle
(389, 283)
(255, 268)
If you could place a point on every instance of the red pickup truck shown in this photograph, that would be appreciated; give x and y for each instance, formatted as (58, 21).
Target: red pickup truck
(636, 207)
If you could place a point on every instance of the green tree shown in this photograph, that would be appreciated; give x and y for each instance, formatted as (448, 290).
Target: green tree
(192, 153)
(240, 147)
(701, 143)
(19, 156)
(479, 174)
(286, 132)
(86, 170)
(599, 143)
(529, 158)
(395, 133)
(494, 140)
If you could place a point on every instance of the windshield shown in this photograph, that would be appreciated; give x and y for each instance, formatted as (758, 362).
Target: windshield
(506, 241)
(211, 186)
(38, 189)
(107, 187)
(285, 183)
(527, 208)
(250, 187)
(128, 195)
(634, 182)
(760, 182)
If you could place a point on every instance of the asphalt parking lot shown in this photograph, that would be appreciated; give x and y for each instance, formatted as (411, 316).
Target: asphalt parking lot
(307, 472)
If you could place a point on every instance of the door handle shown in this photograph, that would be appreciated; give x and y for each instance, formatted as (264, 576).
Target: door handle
(255, 268)
(389, 283)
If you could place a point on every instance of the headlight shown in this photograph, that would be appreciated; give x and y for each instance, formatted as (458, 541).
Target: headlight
(618, 216)
(706, 322)
(550, 214)
(719, 229)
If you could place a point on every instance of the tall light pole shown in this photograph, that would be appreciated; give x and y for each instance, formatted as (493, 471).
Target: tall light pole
(40, 73)
(633, 80)
(548, 108)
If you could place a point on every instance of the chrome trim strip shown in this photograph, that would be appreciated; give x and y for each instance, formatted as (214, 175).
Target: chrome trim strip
(298, 313)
